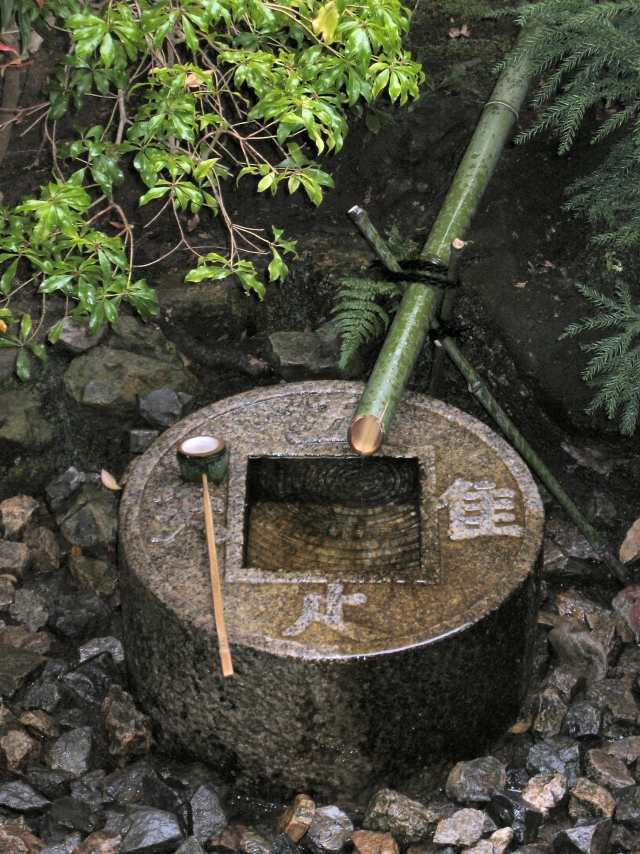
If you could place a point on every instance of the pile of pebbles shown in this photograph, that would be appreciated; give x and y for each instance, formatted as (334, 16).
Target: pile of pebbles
(80, 774)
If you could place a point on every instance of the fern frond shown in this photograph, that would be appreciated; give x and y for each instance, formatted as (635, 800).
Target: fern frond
(359, 315)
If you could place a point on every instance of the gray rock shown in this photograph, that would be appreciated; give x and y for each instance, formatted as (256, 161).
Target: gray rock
(30, 609)
(76, 338)
(628, 809)
(7, 591)
(555, 755)
(146, 339)
(72, 751)
(302, 355)
(408, 820)
(98, 646)
(584, 719)
(592, 838)
(74, 814)
(551, 713)
(208, 817)
(129, 734)
(162, 407)
(63, 487)
(94, 574)
(21, 797)
(151, 832)
(477, 780)
(69, 845)
(580, 650)
(588, 800)
(14, 558)
(140, 440)
(53, 784)
(22, 419)
(190, 846)
(79, 615)
(111, 380)
(330, 831)
(91, 520)
(545, 791)
(16, 513)
(565, 681)
(42, 695)
(617, 700)
(43, 549)
(627, 749)
(464, 828)
(508, 808)
(7, 363)
(608, 771)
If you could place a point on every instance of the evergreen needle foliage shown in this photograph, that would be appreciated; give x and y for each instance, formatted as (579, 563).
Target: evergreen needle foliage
(360, 316)
(615, 361)
(586, 56)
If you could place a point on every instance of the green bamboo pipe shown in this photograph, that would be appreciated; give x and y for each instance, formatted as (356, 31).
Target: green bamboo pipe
(480, 390)
(419, 304)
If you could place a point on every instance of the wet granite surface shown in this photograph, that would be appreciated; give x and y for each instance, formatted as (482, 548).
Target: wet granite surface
(341, 672)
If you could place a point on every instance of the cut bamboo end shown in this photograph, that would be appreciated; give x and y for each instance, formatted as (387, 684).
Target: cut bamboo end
(366, 435)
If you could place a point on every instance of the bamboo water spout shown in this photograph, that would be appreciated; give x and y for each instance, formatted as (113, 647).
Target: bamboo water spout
(420, 301)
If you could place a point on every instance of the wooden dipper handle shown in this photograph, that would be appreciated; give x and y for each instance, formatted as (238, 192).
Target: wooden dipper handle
(216, 586)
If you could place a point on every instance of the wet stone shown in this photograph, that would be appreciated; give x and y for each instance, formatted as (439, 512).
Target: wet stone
(14, 558)
(392, 812)
(608, 771)
(583, 720)
(15, 514)
(91, 520)
(501, 840)
(40, 723)
(140, 440)
(162, 407)
(565, 681)
(7, 595)
(62, 488)
(627, 605)
(21, 797)
(99, 646)
(43, 549)
(374, 842)
(17, 838)
(30, 609)
(79, 614)
(190, 846)
(508, 808)
(17, 748)
(21, 638)
(16, 665)
(330, 831)
(580, 650)
(42, 695)
(588, 799)
(98, 576)
(615, 696)
(545, 791)
(627, 749)
(297, 818)
(74, 814)
(339, 605)
(52, 784)
(464, 828)
(555, 755)
(551, 713)
(68, 845)
(476, 780)
(628, 808)
(101, 842)
(127, 728)
(76, 338)
(71, 752)
(152, 831)
(592, 838)
(208, 817)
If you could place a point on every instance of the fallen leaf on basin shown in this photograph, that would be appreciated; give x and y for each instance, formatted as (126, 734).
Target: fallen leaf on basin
(109, 481)
(630, 548)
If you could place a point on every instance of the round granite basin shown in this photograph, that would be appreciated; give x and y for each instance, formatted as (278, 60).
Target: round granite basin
(380, 610)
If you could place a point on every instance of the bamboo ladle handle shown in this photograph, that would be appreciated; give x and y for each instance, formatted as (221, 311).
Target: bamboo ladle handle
(216, 586)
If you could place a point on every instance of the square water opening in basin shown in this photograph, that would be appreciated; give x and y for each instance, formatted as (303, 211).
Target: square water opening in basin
(334, 519)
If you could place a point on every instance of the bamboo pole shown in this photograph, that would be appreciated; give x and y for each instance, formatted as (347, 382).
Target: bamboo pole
(216, 586)
(419, 304)
(479, 389)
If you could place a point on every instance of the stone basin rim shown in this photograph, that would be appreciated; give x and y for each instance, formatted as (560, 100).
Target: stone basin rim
(522, 567)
